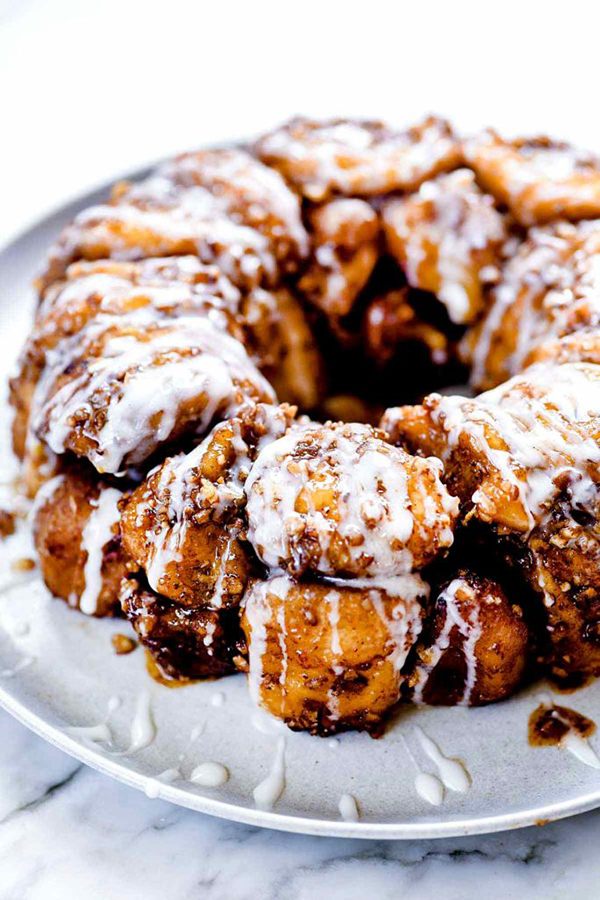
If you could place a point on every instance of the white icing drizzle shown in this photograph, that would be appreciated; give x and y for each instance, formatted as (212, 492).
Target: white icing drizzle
(44, 494)
(189, 219)
(466, 619)
(554, 277)
(100, 733)
(258, 615)
(169, 285)
(195, 733)
(581, 749)
(218, 699)
(368, 481)
(153, 785)
(23, 663)
(282, 637)
(146, 374)
(427, 786)
(402, 620)
(333, 600)
(179, 493)
(242, 187)
(453, 216)
(95, 734)
(267, 793)
(265, 723)
(544, 418)
(405, 622)
(348, 808)
(217, 598)
(452, 772)
(357, 157)
(210, 774)
(531, 174)
(97, 533)
(143, 729)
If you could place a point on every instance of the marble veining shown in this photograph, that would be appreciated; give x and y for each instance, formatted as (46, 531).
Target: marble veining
(65, 830)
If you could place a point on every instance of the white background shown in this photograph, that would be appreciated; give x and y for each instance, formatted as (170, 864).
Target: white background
(90, 88)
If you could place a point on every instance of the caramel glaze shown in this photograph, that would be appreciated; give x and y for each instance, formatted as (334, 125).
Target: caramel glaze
(570, 683)
(157, 673)
(549, 725)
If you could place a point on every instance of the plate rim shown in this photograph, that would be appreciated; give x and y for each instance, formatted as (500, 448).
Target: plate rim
(93, 758)
(283, 822)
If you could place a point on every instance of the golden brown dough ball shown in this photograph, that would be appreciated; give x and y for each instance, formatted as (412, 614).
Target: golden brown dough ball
(338, 500)
(271, 325)
(548, 289)
(161, 286)
(525, 460)
(76, 533)
(391, 320)
(509, 453)
(121, 388)
(252, 194)
(447, 239)
(345, 249)
(185, 643)
(538, 179)
(184, 524)
(222, 206)
(291, 359)
(344, 156)
(473, 648)
(327, 657)
(563, 566)
(581, 346)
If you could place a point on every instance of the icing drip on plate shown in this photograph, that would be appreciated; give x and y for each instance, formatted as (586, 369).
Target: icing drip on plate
(210, 774)
(348, 808)
(452, 772)
(267, 793)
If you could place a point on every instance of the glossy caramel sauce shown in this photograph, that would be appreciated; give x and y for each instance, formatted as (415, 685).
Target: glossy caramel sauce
(550, 724)
(155, 672)
(569, 683)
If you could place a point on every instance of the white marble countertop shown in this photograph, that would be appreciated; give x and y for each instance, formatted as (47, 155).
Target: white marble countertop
(90, 88)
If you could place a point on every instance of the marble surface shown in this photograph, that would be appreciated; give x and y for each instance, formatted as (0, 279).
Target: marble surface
(66, 831)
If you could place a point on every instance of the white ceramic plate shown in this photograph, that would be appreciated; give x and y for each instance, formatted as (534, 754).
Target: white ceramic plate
(58, 671)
